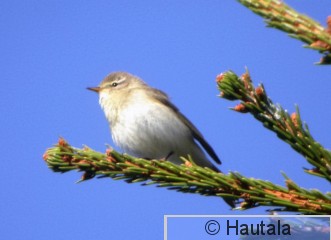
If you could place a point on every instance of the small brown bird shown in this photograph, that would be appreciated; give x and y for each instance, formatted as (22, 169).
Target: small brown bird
(144, 123)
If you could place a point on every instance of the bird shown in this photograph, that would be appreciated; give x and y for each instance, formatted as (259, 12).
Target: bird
(146, 124)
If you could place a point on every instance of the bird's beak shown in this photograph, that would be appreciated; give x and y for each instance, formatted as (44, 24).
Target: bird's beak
(94, 89)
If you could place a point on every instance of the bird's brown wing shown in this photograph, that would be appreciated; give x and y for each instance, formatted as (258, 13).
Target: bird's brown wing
(163, 98)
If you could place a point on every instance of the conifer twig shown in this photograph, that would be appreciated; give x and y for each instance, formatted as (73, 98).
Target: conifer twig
(188, 178)
(281, 16)
(289, 128)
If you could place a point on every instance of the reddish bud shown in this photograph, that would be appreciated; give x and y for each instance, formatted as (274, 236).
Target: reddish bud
(62, 142)
(108, 151)
(188, 164)
(66, 158)
(320, 44)
(219, 77)
(240, 108)
(328, 21)
(109, 157)
(245, 77)
(294, 118)
(45, 156)
(259, 91)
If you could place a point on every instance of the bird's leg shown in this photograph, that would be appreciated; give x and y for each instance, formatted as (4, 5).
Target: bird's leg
(169, 155)
(162, 159)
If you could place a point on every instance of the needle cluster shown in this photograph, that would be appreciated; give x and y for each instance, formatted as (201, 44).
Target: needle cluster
(187, 178)
(281, 16)
(288, 127)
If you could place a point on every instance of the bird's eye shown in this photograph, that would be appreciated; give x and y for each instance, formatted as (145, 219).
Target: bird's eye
(114, 84)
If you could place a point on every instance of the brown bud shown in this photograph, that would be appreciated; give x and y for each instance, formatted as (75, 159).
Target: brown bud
(62, 142)
(259, 91)
(328, 21)
(320, 44)
(66, 158)
(82, 161)
(188, 164)
(294, 118)
(240, 108)
(245, 77)
(219, 77)
(110, 159)
(45, 156)
(108, 151)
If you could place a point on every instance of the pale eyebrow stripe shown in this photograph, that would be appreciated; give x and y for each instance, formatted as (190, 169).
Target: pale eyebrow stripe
(121, 80)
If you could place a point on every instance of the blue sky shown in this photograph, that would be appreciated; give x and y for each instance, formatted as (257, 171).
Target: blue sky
(52, 50)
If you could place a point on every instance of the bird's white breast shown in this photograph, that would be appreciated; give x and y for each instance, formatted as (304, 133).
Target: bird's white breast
(147, 128)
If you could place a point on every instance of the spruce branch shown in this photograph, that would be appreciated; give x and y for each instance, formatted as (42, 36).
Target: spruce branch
(289, 128)
(187, 178)
(280, 16)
